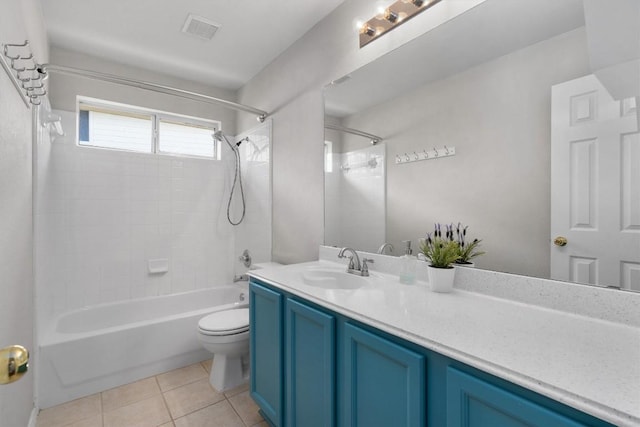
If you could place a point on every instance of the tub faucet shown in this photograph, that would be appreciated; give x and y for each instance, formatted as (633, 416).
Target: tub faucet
(385, 246)
(240, 278)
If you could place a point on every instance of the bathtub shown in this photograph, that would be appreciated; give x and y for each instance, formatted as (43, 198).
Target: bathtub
(97, 348)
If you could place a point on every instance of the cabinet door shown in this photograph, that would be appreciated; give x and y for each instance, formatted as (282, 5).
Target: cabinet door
(384, 383)
(265, 317)
(309, 366)
(472, 402)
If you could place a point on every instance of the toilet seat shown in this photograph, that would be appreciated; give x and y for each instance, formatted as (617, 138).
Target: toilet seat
(226, 322)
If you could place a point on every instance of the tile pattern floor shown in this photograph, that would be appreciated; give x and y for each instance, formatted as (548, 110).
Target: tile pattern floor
(179, 398)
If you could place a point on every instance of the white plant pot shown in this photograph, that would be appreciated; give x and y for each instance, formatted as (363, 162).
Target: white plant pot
(465, 265)
(441, 279)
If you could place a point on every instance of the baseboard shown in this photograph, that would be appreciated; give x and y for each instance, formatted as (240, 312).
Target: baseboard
(33, 419)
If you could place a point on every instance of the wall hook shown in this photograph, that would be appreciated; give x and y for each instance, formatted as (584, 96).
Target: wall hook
(15, 67)
(7, 46)
(32, 84)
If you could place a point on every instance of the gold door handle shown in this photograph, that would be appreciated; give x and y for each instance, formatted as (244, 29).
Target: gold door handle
(14, 362)
(560, 241)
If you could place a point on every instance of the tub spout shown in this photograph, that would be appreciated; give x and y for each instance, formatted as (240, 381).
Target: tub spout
(240, 278)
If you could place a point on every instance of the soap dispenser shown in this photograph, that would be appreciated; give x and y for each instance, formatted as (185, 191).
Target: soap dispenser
(408, 265)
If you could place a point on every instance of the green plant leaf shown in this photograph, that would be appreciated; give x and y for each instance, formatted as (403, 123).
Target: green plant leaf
(440, 252)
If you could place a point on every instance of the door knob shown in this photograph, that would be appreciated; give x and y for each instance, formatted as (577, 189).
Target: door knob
(14, 362)
(560, 241)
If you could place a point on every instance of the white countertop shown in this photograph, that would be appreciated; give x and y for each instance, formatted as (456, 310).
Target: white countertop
(587, 363)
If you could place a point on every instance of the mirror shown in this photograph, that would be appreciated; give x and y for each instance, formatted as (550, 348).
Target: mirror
(536, 111)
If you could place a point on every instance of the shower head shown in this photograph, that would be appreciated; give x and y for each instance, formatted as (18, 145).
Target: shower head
(219, 136)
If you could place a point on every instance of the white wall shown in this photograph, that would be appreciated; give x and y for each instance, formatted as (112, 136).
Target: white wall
(18, 21)
(64, 89)
(498, 117)
(291, 89)
(16, 245)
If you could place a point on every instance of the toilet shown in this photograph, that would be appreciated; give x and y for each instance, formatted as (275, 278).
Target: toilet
(226, 335)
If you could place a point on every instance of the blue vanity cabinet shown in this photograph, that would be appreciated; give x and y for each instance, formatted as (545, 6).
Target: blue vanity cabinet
(476, 402)
(314, 367)
(309, 365)
(292, 352)
(265, 342)
(384, 383)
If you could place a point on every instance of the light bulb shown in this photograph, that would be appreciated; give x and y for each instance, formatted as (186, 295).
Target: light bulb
(366, 29)
(358, 24)
(390, 16)
(416, 3)
(379, 7)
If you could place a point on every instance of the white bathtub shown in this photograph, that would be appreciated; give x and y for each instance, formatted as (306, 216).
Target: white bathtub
(101, 347)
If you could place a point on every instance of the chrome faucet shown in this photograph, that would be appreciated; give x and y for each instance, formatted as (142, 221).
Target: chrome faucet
(384, 246)
(354, 266)
(354, 259)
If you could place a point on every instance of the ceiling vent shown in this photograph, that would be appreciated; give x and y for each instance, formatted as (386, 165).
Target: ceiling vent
(200, 27)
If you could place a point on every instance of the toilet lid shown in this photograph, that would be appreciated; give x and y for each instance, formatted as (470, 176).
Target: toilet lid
(227, 321)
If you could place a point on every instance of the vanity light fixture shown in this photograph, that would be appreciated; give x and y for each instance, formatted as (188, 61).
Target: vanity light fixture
(388, 19)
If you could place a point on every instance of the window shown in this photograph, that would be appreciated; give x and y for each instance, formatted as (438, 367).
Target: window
(122, 127)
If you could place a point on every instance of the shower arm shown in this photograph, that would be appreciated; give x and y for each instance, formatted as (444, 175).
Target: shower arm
(44, 69)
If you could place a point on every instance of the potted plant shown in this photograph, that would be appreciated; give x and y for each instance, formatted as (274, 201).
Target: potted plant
(441, 253)
(467, 251)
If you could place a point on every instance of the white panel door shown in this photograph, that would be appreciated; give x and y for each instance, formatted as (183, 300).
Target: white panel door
(595, 185)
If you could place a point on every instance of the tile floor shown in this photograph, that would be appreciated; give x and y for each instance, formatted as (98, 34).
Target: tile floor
(179, 398)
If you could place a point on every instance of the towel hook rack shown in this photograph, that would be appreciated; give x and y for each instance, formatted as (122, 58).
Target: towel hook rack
(435, 153)
(18, 62)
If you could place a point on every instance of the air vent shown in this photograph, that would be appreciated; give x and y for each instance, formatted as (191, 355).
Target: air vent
(200, 27)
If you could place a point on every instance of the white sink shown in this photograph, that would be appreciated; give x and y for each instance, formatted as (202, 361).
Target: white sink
(332, 279)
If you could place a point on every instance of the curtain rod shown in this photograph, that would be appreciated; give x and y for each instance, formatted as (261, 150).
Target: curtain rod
(46, 68)
(374, 138)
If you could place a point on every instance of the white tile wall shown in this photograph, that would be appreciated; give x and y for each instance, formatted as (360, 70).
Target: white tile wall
(101, 215)
(355, 200)
(254, 233)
